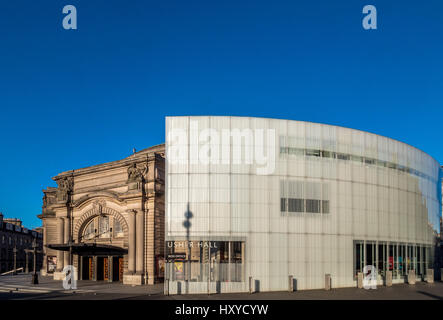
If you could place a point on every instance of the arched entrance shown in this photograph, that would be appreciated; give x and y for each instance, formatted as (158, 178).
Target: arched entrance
(102, 233)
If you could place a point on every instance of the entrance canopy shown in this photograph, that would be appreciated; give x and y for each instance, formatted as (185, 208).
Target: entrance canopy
(90, 249)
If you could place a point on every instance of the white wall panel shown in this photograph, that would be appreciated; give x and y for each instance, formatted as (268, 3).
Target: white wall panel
(368, 199)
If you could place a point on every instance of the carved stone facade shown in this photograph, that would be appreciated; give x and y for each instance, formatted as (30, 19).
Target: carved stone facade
(116, 205)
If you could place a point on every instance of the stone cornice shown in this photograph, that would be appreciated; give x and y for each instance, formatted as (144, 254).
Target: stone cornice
(149, 155)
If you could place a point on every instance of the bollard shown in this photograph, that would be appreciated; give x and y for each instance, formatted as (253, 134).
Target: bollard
(250, 285)
(411, 277)
(430, 275)
(291, 284)
(388, 279)
(360, 280)
(167, 287)
(327, 281)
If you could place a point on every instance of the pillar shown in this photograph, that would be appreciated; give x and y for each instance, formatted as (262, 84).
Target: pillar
(26, 257)
(110, 268)
(132, 242)
(66, 240)
(150, 252)
(44, 253)
(60, 237)
(139, 241)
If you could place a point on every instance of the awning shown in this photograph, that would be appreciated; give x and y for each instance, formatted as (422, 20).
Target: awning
(89, 249)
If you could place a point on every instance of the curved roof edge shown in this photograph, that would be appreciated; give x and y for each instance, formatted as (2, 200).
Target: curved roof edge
(327, 124)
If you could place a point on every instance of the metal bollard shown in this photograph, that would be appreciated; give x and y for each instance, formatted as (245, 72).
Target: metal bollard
(430, 275)
(291, 284)
(360, 280)
(167, 287)
(388, 281)
(250, 285)
(411, 277)
(327, 281)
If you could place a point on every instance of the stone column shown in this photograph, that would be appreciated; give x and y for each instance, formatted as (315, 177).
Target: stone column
(140, 239)
(66, 240)
(60, 237)
(110, 268)
(150, 252)
(132, 241)
(45, 241)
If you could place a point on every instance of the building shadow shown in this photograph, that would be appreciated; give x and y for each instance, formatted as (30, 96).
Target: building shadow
(294, 284)
(257, 286)
(431, 295)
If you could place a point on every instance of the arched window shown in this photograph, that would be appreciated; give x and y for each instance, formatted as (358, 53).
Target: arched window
(103, 228)
(89, 231)
(118, 230)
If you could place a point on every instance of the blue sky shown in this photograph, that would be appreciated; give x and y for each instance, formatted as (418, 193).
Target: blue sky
(71, 99)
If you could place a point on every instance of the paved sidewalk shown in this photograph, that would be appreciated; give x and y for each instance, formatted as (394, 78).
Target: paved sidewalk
(20, 287)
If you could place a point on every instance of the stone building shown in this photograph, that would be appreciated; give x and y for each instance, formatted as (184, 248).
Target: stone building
(15, 243)
(107, 220)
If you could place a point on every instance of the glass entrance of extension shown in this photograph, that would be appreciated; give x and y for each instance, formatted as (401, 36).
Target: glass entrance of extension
(397, 257)
(101, 268)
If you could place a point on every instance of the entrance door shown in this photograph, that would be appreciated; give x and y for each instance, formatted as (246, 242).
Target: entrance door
(106, 269)
(117, 267)
(86, 268)
(100, 268)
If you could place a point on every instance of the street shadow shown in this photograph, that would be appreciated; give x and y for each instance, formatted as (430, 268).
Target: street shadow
(430, 295)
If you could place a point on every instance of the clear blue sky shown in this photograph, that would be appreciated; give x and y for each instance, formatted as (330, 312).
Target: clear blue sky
(71, 99)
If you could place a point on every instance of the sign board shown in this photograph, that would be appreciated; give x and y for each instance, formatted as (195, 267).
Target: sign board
(178, 270)
(52, 264)
(177, 256)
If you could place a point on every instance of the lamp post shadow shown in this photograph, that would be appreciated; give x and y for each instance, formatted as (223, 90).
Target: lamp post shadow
(187, 224)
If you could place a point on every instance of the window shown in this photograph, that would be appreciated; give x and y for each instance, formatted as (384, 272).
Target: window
(343, 156)
(283, 204)
(89, 231)
(297, 151)
(313, 153)
(328, 154)
(357, 158)
(296, 205)
(118, 230)
(103, 223)
(312, 206)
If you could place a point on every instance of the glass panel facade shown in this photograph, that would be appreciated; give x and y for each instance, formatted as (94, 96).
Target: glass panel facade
(394, 260)
(195, 260)
(303, 199)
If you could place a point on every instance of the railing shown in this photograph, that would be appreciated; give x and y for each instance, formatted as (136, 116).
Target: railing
(11, 272)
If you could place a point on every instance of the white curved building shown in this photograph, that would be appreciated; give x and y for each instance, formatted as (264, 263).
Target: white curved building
(268, 199)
